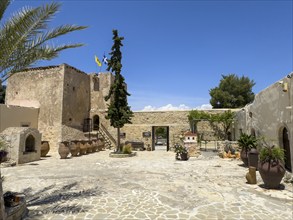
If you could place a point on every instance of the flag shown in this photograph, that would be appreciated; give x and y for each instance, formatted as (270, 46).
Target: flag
(105, 60)
(98, 61)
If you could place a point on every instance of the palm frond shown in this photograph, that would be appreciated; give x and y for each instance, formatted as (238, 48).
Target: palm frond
(3, 6)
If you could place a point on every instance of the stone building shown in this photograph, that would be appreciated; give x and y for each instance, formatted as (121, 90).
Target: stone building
(271, 116)
(66, 96)
(71, 106)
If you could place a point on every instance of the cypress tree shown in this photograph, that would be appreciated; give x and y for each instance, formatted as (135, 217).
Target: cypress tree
(119, 112)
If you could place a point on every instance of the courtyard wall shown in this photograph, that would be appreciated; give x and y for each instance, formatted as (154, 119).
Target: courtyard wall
(270, 112)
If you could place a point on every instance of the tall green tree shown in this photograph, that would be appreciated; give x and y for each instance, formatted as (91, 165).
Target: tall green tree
(119, 112)
(25, 37)
(232, 92)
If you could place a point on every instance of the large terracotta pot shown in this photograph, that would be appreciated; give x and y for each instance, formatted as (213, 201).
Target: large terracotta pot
(45, 148)
(244, 156)
(271, 173)
(89, 146)
(63, 149)
(83, 147)
(95, 145)
(253, 158)
(73, 149)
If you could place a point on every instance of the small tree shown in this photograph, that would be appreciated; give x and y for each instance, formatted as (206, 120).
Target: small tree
(232, 92)
(222, 122)
(119, 112)
(196, 116)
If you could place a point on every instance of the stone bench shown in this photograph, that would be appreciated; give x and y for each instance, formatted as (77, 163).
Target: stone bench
(136, 145)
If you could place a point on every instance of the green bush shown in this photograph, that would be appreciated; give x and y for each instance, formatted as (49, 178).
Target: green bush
(127, 149)
(271, 154)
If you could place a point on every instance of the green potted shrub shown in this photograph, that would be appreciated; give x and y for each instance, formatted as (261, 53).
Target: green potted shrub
(246, 142)
(271, 166)
(181, 152)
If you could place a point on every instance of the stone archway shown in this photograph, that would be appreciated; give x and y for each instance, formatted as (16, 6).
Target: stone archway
(30, 144)
(286, 145)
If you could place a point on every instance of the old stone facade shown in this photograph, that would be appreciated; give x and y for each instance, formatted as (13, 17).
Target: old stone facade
(270, 116)
(64, 95)
(71, 102)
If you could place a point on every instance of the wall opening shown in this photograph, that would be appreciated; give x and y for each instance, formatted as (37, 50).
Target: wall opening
(160, 138)
(286, 146)
(30, 144)
(96, 123)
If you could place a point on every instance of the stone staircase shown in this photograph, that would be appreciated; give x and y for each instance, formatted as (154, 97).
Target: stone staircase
(110, 142)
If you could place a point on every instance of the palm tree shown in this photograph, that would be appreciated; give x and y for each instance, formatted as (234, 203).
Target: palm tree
(24, 40)
(25, 37)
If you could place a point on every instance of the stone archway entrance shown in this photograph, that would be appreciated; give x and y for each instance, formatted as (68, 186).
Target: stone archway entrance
(160, 138)
(286, 146)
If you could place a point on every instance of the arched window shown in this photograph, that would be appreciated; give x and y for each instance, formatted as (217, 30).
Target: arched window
(30, 144)
(96, 120)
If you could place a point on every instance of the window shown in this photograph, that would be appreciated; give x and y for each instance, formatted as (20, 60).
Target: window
(96, 84)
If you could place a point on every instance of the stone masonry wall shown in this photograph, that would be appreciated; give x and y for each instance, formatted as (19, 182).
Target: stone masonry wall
(177, 121)
(76, 103)
(42, 85)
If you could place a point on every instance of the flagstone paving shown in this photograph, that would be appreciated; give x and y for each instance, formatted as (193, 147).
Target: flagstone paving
(152, 185)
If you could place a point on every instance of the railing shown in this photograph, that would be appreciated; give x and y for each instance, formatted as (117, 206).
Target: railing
(108, 134)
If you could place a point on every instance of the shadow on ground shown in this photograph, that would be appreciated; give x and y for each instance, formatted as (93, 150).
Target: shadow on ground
(53, 200)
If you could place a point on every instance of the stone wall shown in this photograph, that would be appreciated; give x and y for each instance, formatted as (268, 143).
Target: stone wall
(269, 114)
(16, 138)
(75, 104)
(43, 86)
(177, 121)
(17, 116)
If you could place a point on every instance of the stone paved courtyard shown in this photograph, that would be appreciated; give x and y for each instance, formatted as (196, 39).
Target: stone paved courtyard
(152, 185)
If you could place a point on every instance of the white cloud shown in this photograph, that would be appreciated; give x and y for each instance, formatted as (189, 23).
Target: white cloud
(170, 107)
(204, 107)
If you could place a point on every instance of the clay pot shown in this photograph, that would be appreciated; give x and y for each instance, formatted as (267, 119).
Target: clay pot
(83, 147)
(244, 157)
(271, 173)
(45, 148)
(101, 144)
(73, 149)
(253, 158)
(63, 149)
(94, 145)
(89, 146)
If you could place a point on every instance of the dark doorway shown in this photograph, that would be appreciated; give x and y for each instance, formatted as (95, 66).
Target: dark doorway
(286, 146)
(160, 138)
(30, 144)
(96, 123)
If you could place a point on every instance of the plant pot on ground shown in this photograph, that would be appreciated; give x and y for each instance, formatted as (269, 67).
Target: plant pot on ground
(181, 152)
(246, 142)
(271, 166)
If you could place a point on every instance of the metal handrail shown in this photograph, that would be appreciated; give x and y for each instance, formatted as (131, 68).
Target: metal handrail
(108, 134)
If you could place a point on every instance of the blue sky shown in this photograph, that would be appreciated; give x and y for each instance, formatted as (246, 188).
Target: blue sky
(175, 51)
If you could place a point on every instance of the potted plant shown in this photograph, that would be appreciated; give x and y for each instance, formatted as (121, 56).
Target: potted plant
(181, 152)
(3, 151)
(271, 166)
(246, 142)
